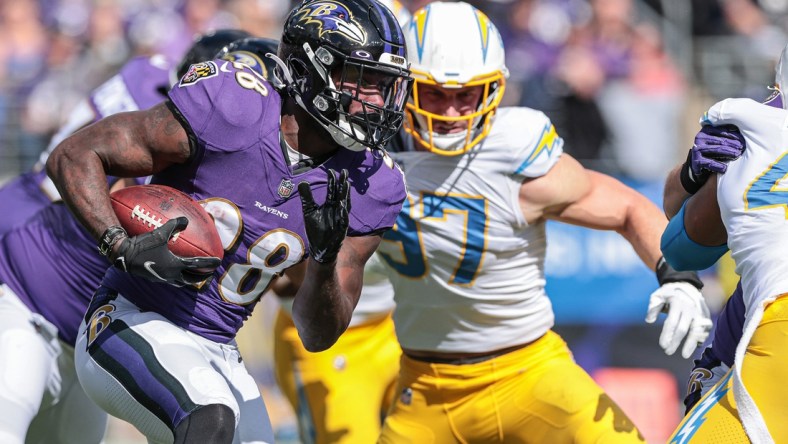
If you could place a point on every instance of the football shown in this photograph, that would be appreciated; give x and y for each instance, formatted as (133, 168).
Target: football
(142, 208)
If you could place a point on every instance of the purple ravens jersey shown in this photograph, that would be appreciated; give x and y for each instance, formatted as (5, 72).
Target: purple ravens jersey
(241, 174)
(140, 84)
(20, 198)
(53, 265)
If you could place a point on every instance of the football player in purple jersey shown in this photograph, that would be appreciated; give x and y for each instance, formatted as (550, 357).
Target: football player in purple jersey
(278, 170)
(49, 267)
(141, 83)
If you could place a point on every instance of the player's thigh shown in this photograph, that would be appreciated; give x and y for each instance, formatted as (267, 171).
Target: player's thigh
(27, 364)
(139, 367)
(557, 401)
(253, 424)
(73, 417)
(415, 417)
(764, 367)
(360, 370)
(338, 394)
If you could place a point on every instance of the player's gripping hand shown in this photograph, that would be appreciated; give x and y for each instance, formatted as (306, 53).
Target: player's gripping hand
(326, 225)
(688, 316)
(147, 255)
(714, 147)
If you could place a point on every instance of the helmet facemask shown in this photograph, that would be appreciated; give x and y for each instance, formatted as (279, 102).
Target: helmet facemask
(361, 101)
(420, 123)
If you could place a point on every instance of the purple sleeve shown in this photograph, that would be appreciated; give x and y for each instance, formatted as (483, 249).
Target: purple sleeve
(377, 208)
(140, 84)
(219, 110)
(148, 79)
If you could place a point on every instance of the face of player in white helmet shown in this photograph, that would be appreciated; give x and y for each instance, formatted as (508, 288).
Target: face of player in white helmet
(457, 61)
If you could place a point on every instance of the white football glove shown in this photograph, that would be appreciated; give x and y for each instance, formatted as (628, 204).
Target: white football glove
(688, 316)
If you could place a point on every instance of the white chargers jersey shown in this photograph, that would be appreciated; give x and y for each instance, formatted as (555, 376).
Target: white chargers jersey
(753, 200)
(753, 197)
(468, 271)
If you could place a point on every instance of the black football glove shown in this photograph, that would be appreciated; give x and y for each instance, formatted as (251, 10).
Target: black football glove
(148, 256)
(326, 225)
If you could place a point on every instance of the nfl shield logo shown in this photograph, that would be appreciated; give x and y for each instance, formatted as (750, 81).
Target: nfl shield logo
(285, 188)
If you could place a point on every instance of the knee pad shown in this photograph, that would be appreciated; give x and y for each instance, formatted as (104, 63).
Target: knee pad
(213, 423)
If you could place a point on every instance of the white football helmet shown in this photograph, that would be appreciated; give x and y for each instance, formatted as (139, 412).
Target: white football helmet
(453, 45)
(399, 10)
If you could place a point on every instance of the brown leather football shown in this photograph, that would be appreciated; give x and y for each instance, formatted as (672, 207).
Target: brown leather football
(142, 208)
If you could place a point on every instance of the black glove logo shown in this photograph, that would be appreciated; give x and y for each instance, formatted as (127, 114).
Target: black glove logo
(147, 255)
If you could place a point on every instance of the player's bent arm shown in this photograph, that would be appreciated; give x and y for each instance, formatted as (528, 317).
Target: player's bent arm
(287, 285)
(130, 144)
(570, 193)
(674, 194)
(696, 237)
(329, 293)
(703, 218)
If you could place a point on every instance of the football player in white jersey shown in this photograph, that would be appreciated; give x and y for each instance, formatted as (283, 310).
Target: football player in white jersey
(480, 362)
(744, 210)
(340, 395)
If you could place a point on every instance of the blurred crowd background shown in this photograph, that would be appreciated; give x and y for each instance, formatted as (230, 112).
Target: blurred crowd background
(624, 81)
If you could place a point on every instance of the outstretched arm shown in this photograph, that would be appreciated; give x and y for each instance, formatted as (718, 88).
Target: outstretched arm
(324, 303)
(571, 194)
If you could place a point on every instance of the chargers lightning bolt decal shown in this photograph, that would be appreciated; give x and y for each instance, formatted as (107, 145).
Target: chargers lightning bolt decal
(419, 26)
(698, 414)
(548, 140)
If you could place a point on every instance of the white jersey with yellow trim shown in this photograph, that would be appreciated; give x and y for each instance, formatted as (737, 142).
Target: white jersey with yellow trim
(467, 269)
(753, 200)
(753, 197)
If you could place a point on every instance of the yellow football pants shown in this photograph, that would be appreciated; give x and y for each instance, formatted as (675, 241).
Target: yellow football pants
(715, 418)
(536, 394)
(339, 395)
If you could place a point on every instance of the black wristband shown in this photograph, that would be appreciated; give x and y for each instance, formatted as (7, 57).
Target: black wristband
(689, 183)
(111, 235)
(667, 274)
